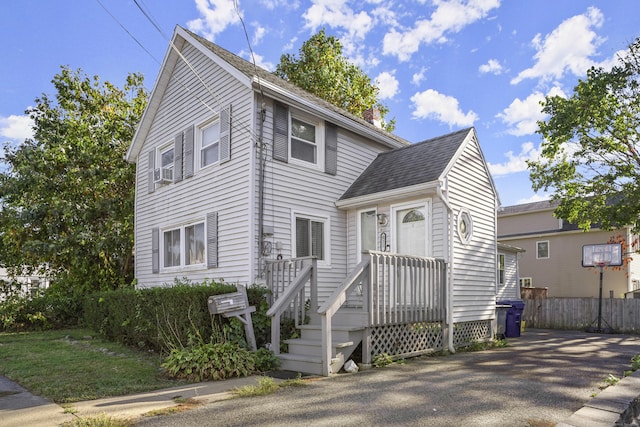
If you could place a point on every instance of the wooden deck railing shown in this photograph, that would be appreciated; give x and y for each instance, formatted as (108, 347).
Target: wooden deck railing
(288, 280)
(406, 289)
(389, 288)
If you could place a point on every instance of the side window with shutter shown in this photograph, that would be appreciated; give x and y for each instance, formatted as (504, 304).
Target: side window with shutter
(225, 134)
(212, 240)
(331, 149)
(177, 157)
(155, 250)
(281, 132)
(151, 184)
(187, 157)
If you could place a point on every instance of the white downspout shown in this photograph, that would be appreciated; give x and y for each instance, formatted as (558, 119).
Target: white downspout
(450, 270)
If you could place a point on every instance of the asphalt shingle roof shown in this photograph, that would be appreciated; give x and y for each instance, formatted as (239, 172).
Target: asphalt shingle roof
(419, 163)
(250, 70)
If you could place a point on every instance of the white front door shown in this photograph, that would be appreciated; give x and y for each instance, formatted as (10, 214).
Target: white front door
(411, 230)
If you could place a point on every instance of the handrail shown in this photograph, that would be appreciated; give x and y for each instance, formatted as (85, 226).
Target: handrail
(339, 296)
(281, 303)
(331, 306)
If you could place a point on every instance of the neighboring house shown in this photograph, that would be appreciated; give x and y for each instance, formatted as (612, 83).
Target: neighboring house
(25, 285)
(244, 177)
(553, 253)
(508, 282)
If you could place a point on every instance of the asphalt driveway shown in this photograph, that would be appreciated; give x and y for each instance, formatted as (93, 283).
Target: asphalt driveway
(541, 379)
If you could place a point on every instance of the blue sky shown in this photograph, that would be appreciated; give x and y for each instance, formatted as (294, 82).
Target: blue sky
(440, 65)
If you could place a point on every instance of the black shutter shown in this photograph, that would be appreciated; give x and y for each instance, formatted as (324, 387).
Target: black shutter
(212, 240)
(155, 250)
(281, 132)
(188, 152)
(225, 134)
(177, 158)
(331, 149)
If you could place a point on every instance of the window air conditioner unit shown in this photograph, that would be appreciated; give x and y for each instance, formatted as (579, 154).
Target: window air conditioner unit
(163, 175)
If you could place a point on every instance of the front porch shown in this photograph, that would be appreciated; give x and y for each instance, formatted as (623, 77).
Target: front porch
(393, 304)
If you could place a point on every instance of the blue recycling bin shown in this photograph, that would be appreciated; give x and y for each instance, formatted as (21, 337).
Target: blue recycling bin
(513, 317)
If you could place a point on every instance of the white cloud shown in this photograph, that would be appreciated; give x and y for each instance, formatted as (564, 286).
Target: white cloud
(449, 16)
(522, 115)
(258, 33)
(15, 127)
(515, 162)
(493, 67)
(419, 77)
(431, 104)
(259, 59)
(337, 14)
(217, 15)
(568, 48)
(388, 84)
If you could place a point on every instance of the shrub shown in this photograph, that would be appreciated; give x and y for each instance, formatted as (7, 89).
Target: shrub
(210, 361)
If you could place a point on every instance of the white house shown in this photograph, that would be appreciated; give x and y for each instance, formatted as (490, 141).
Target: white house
(244, 177)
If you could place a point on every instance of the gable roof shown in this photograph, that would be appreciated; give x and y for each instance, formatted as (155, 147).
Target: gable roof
(543, 205)
(420, 163)
(260, 79)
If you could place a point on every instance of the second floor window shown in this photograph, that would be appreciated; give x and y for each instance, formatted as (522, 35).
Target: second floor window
(303, 141)
(209, 142)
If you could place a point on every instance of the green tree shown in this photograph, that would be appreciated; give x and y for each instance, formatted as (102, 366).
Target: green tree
(322, 70)
(66, 196)
(590, 153)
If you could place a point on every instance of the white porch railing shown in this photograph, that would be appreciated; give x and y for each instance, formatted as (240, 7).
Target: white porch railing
(288, 280)
(388, 288)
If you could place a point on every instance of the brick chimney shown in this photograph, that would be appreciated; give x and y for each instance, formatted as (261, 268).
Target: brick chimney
(372, 115)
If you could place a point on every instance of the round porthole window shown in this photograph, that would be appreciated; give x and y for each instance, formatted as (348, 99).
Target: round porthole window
(465, 226)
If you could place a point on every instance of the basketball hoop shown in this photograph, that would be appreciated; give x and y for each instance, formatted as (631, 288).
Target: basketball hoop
(602, 264)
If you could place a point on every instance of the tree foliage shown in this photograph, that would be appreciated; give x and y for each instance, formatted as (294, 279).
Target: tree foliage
(67, 194)
(591, 150)
(322, 69)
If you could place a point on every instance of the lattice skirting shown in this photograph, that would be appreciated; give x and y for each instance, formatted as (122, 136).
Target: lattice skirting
(409, 339)
(466, 333)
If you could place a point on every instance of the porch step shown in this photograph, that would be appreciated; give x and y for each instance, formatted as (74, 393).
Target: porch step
(340, 333)
(312, 347)
(301, 363)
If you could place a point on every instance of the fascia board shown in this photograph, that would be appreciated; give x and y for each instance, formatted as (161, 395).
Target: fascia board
(417, 190)
(329, 115)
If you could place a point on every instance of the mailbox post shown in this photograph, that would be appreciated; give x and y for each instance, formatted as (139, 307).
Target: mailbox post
(235, 304)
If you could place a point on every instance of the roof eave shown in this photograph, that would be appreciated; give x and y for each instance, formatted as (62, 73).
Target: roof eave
(333, 116)
(388, 195)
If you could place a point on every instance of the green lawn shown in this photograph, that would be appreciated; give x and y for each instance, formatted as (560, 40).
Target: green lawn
(74, 365)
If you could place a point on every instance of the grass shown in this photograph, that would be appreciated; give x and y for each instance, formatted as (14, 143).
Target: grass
(266, 385)
(73, 365)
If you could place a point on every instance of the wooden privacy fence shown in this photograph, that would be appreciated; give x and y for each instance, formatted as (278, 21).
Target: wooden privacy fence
(622, 315)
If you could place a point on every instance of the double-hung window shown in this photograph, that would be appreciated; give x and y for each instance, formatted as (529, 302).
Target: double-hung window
(542, 249)
(183, 246)
(501, 269)
(210, 144)
(304, 140)
(310, 239)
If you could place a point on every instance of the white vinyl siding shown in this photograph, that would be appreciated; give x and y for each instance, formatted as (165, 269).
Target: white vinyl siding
(475, 262)
(196, 197)
(510, 288)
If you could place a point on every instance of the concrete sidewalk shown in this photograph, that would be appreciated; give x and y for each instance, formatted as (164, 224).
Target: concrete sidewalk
(548, 362)
(19, 408)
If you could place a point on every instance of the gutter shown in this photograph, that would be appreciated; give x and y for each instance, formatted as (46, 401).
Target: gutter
(445, 200)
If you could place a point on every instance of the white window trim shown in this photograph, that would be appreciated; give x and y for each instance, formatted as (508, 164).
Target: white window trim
(198, 142)
(462, 213)
(548, 249)
(319, 124)
(426, 203)
(161, 149)
(326, 262)
(181, 227)
(521, 279)
(359, 229)
(503, 269)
